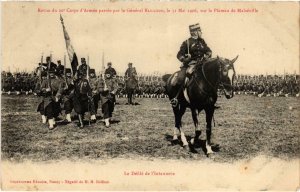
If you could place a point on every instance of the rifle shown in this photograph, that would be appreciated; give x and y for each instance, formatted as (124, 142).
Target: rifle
(41, 68)
(88, 77)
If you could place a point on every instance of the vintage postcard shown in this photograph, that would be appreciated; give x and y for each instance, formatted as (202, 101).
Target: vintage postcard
(150, 96)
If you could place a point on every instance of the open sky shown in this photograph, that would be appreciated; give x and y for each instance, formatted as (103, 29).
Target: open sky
(266, 41)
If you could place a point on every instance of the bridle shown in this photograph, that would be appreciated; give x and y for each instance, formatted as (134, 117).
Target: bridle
(219, 82)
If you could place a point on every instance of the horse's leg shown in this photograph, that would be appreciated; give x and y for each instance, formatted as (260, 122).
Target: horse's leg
(80, 120)
(209, 115)
(182, 135)
(197, 129)
(133, 96)
(129, 95)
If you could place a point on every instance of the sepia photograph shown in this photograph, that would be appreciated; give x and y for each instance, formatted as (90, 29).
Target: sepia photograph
(150, 96)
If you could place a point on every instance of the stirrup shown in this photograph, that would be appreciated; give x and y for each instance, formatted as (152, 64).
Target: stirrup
(174, 102)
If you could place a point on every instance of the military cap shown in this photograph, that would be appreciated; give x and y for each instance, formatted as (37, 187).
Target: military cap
(48, 58)
(130, 64)
(109, 63)
(92, 71)
(195, 27)
(58, 61)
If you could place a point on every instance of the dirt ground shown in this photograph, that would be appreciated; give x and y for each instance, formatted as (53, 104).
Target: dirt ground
(245, 127)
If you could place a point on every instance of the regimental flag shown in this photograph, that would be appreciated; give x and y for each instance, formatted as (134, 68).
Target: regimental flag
(71, 53)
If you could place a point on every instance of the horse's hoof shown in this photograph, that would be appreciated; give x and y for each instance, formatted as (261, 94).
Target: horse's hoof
(192, 141)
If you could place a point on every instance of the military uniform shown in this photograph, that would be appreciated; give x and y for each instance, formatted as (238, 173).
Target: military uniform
(68, 95)
(59, 69)
(107, 88)
(131, 72)
(94, 83)
(52, 90)
(110, 71)
(82, 99)
(191, 52)
(197, 48)
(83, 68)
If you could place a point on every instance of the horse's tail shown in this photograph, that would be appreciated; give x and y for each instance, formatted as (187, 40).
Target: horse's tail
(166, 77)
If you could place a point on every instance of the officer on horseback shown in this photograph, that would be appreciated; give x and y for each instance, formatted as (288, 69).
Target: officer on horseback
(192, 51)
(110, 71)
(131, 72)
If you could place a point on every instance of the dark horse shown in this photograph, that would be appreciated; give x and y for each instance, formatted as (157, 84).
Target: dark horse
(130, 86)
(200, 93)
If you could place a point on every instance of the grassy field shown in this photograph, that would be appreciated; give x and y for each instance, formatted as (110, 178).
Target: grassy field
(246, 126)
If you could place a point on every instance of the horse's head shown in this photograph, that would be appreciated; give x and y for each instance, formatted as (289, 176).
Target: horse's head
(227, 76)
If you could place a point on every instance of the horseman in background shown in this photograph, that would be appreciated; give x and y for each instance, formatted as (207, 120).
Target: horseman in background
(131, 83)
(192, 51)
(131, 72)
(108, 87)
(110, 70)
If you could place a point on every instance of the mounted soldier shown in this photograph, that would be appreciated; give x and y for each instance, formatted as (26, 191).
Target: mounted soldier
(131, 83)
(131, 72)
(110, 71)
(108, 87)
(191, 51)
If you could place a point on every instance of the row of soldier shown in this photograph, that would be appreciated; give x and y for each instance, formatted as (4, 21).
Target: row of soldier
(288, 85)
(153, 86)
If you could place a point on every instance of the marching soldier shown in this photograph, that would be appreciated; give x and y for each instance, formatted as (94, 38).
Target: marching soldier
(51, 89)
(192, 51)
(68, 94)
(110, 70)
(82, 100)
(107, 88)
(94, 83)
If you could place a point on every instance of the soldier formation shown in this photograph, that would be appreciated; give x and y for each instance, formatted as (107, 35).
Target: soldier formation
(268, 85)
(152, 86)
